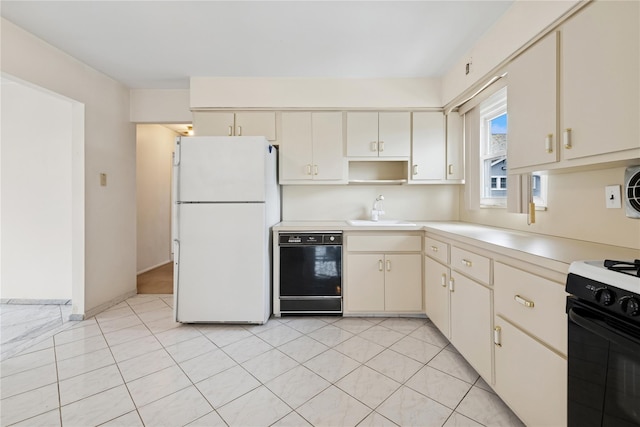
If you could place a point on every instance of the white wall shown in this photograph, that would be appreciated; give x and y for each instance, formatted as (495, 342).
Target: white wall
(36, 194)
(340, 202)
(110, 212)
(154, 148)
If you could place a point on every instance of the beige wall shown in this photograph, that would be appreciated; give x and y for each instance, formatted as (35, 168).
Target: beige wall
(160, 106)
(37, 194)
(340, 202)
(283, 93)
(154, 148)
(523, 21)
(109, 147)
(576, 210)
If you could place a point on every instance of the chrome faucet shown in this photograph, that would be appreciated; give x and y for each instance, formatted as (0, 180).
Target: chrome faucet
(377, 208)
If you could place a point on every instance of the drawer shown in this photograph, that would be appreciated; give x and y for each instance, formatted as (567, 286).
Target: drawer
(533, 303)
(436, 249)
(390, 243)
(473, 265)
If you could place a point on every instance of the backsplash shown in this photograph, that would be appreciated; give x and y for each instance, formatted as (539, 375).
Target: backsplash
(341, 202)
(576, 210)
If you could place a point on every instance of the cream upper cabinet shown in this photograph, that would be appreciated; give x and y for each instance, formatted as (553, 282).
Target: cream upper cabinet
(383, 273)
(573, 96)
(533, 105)
(378, 134)
(249, 123)
(455, 147)
(311, 147)
(600, 84)
(428, 147)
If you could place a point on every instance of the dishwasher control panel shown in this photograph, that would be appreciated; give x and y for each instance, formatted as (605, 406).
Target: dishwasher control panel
(310, 238)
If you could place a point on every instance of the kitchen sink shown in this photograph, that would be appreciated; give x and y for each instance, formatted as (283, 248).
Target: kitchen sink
(380, 223)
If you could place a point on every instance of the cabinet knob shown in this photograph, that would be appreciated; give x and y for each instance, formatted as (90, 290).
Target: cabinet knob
(415, 169)
(434, 249)
(497, 336)
(315, 169)
(239, 131)
(381, 146)
(380, 268)
(467, 263)
(443, 280)
(388, 265)
(230, 130)
(450, 169)
(308, 169)
(374, 146)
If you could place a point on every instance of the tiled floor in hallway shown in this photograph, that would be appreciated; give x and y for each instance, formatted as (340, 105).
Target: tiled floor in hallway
(132, 365)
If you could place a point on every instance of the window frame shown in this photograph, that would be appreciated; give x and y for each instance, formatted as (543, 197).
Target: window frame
(490, 109)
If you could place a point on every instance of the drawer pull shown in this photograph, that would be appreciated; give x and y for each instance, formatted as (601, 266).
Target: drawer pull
(388, 265)
(548, 143)
(443, 280)
(380, 268)
(467, 263)
(451, 284)
(230, 130)
(374, 146)
(567, 139)
(434, 249)
(523, 301)
(308, 169)
(497, 336)
(381, 146)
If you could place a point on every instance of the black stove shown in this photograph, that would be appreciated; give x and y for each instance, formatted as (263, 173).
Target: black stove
(603, 360)
(611, 285)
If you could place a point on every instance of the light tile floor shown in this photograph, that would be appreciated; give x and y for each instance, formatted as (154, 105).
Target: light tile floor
(133, 366)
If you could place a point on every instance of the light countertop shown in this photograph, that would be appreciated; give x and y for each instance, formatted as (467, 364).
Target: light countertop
(529, 247)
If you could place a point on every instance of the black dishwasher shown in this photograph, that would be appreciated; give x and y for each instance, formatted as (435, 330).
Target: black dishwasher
(310, 272)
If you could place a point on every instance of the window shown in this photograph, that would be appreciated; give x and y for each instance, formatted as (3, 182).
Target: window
(493, 155)
(493, 149)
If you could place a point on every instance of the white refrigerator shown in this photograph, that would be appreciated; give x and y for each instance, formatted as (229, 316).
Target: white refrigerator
(226, 199)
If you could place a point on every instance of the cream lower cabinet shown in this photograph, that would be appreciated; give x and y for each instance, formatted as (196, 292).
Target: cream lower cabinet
(530, 378)
(530, 343)
(437, 294)
(471, 322)
(383, 282)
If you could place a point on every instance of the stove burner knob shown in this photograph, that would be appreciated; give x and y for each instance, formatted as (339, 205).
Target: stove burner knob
(630, 306)
(605, 296)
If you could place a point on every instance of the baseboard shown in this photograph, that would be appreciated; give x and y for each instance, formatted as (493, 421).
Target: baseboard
(153, 267)
(30, 301)
(102, 307)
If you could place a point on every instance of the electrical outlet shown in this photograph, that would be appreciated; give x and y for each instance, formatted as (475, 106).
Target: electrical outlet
(467, 66)
(613, 197)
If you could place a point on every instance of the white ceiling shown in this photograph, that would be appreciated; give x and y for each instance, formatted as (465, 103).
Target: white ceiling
(160, 44)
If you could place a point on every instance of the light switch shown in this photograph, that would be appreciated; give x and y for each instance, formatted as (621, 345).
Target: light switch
(613, 197)
(103, 179)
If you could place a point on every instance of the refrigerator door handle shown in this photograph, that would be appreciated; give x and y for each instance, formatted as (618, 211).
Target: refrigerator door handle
(176, 274)
(176, 153)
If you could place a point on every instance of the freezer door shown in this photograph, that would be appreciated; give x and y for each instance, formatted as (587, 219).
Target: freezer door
(223, 272)
(221, 169)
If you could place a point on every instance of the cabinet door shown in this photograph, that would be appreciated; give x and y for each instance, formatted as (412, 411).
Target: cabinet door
(328, 149)
(530, 378)
(394, 134)
(296, 162)
(436, 294)
(455, 151)
(600, 84)
(210, 123)
(365, 282)
(471, 319)
(403, 282)
(362, 134)
(256, 124)
(532, 105)
(428, 147)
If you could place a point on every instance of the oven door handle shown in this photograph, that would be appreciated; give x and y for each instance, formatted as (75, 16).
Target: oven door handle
(580, 317)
